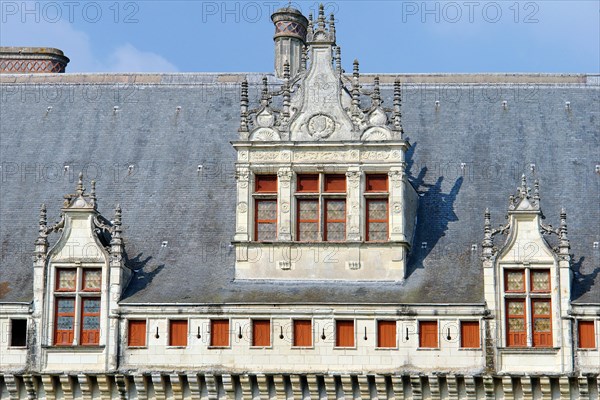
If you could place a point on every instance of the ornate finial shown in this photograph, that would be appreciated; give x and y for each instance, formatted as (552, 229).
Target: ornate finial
(42, 231)
(244, 106)
(332, 24)
(523, 189)
(536, 190)
(355, 89)
(564, 240)
(286, 95)
(321, 19)
(286, 70)
(338, 59)
(93, 193)
(398, 106)
(265, 89)
(43, 220)
(304, 58)
(80, 189)
(376, 96)
(116, 227)
(487, 243)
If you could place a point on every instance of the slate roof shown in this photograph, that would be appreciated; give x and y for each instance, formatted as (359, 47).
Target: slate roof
(166, 199)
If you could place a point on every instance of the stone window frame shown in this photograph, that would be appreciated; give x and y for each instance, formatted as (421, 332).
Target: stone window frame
(257, 197)
(322, 196)
(529, 296)
(79, 295)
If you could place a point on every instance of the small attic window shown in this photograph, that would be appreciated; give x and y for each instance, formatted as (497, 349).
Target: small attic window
(18, 332)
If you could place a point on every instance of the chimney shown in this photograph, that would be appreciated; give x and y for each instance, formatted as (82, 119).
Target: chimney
(32, 60)
(290, 37)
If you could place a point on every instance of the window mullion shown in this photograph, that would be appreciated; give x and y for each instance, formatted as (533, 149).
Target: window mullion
(529, 309)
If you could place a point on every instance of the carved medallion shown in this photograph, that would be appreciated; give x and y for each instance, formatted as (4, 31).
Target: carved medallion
(285, 207)
(242, 207)
(321, 126)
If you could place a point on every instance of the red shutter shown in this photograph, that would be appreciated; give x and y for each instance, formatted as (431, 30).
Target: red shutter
(178, 332)
(307, 183)
(428, 334)
(303, 333)
(344, 333)
(137, 334)
(266, 184)
(219, 333)
(386, 334)
(587, 335)
(377, 183)
(335, 183)
(469, 335)
(261, 333)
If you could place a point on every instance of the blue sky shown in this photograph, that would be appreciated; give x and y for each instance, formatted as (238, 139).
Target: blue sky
(386, 36)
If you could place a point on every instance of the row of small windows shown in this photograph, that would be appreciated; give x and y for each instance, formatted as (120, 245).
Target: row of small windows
(302, 333)
(321, 207)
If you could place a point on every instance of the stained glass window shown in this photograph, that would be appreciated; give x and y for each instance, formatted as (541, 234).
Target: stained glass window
(308, 220)
(377, 223)
(515, 281)
(67, 280)
(335, 217)
(92, 279)
(540, 281)
(266, 220)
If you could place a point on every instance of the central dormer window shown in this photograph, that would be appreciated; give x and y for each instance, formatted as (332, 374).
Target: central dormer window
(321, 207)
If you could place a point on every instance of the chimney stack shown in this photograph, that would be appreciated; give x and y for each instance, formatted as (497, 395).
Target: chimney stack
(290, 37)
(32, 60)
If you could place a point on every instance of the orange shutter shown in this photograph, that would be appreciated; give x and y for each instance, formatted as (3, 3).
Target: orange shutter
(178, 333)
(335, 183)
(428, 334)
(303, 333)
(469, 335)
(307, 183)
(219, 333)
(261, 333)
(344, 333)
(266, 184)
(386, 333)
(587, 335)
(137, 334)
(377, 183)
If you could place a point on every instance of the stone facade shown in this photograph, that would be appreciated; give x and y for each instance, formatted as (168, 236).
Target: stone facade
(393, 311)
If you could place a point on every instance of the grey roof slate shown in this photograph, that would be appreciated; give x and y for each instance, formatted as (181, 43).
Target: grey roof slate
(165, 199)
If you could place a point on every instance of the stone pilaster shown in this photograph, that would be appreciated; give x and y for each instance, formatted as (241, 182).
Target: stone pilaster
(353, 214)
(397, 201)
(243, 207)
(284, 208)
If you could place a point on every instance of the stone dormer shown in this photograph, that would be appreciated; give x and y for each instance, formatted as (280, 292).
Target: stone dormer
(528, 285)
(77, 284)
(322, 187)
